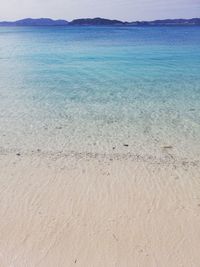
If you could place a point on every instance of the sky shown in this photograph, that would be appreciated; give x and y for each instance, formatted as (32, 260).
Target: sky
(127, 10)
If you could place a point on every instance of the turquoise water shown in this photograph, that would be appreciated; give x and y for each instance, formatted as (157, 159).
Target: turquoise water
(96, 89)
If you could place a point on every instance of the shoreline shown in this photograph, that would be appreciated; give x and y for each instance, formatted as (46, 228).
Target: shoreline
(165, 158)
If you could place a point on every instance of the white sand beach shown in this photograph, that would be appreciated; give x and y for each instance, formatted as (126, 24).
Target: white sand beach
(59, 211)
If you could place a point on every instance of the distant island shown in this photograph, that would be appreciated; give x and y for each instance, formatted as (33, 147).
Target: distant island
(35, 22)
(96, 22)
(100, 22)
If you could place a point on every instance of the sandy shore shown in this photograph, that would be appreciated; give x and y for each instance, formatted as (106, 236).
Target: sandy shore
(69, 211)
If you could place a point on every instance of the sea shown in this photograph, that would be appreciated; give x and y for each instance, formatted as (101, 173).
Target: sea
(101, 91)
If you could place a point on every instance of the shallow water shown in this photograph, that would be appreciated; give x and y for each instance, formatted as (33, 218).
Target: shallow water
(101, 90)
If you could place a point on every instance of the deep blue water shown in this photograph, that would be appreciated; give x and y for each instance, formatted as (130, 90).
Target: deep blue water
(89, 89)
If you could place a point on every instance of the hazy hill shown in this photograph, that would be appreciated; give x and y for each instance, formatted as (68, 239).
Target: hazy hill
(95, 21)
(35, 22)
(99, 22)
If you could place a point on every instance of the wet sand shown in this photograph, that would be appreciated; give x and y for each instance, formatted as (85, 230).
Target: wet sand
(88, 211)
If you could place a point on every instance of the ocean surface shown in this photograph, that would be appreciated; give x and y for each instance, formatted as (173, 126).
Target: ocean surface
(101, 90)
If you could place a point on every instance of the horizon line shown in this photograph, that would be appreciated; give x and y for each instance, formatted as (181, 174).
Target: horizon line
(57, 19)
